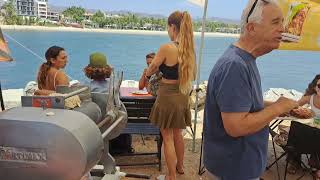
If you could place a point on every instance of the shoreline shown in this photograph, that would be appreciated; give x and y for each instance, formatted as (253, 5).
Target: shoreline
(114, 31)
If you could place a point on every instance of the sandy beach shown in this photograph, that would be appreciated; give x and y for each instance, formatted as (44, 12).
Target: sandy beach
(116, 31)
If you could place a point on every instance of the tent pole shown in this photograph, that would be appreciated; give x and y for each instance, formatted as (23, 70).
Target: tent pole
(1, 99)
(198, 73)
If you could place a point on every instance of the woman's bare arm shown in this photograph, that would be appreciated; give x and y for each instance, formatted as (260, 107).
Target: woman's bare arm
(158, 60)
(304, 100)
(62, 79)
(43, 92)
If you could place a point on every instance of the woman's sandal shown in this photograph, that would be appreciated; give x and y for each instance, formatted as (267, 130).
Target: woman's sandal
(179, 172)
(161, 177)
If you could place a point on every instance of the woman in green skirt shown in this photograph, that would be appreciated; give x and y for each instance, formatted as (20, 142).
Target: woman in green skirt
(171, 112)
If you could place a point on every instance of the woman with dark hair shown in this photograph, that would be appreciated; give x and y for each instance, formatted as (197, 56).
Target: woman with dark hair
(99, 72)
(171, 111)
(311, 97)
(50, 75)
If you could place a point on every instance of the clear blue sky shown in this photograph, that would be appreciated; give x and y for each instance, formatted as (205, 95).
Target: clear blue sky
(230, 9)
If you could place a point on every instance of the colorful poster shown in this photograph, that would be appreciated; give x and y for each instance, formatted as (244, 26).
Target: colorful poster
(301, 24)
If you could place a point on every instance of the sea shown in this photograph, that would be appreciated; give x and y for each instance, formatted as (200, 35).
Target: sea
(126, 52)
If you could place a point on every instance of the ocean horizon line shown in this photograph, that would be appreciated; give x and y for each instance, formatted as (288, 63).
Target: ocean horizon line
(115, 31)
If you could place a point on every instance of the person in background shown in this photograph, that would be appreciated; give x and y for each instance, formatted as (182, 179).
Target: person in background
(171, 110)
(143, 82)
(236, 117)
(50, 74)
(99, 72)
(311, 97)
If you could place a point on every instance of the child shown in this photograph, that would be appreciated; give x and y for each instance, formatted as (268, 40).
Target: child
(99, 71)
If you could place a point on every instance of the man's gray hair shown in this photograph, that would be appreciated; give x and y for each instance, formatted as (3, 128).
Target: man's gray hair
(256, 14)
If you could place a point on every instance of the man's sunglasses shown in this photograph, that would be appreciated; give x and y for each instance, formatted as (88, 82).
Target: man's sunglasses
(253, 6)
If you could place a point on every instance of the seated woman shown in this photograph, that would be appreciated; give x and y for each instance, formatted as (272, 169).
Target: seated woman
(99, 72)
(50, 75)
(312, 97)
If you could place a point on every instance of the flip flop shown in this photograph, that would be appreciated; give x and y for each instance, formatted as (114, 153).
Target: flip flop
(179, 172)
(161, 177)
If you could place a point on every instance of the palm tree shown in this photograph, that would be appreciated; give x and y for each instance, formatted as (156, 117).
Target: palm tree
(9, 13)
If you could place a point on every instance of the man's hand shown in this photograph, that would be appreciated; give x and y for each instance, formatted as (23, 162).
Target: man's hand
(143, 79)
(144, 72)
(284, 104)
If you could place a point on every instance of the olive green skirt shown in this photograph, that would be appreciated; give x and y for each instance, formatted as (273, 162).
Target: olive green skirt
(171, 108)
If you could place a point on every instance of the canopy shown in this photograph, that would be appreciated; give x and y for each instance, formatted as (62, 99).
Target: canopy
(302, 24)
(4, 56)
(4, 50)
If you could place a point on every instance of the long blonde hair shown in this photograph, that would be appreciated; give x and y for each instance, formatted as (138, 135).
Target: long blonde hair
(186, 52)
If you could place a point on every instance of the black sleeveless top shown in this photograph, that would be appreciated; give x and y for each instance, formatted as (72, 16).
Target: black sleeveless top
(170, 72)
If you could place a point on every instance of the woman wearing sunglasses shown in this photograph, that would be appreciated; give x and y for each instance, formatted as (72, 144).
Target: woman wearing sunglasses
(312, 97)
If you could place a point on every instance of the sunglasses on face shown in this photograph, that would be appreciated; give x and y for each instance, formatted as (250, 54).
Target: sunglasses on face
(253, 6)
(318, 85)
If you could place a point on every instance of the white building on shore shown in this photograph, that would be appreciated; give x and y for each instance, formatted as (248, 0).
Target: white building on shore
(32, 8)
(53, 15)
(42, 8)
(26, 8)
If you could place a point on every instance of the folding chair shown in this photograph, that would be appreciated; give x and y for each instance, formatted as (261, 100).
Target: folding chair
(274, 134)
(301, 141)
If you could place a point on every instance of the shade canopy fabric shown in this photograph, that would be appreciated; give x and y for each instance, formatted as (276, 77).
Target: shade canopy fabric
(4, 49)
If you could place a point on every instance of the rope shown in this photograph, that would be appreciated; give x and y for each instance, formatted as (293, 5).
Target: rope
(35, 54)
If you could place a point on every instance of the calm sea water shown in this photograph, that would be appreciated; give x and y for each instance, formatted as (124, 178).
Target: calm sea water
(286, 69)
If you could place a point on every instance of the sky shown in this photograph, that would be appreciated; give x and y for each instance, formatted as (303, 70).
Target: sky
(230, 9)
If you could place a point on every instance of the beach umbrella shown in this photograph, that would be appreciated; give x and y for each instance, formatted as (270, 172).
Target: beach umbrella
(302, 25)
(204, 5)
(4, 56)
